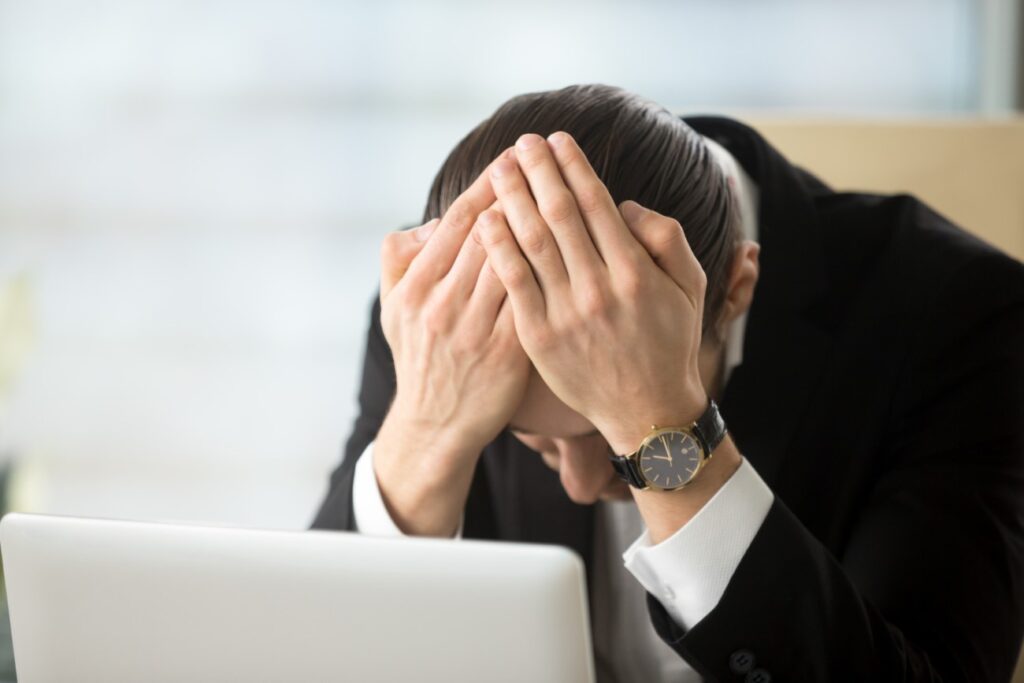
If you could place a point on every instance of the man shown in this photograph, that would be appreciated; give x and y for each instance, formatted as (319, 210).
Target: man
(861, 518)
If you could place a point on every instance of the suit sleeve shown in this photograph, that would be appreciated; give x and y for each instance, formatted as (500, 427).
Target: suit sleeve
(376, 390)
(930, 586)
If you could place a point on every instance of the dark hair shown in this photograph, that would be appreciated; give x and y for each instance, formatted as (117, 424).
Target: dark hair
(640, 150)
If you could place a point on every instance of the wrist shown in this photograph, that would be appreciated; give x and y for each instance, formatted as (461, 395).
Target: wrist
(414, 440)
(424, 475)
(625, 431)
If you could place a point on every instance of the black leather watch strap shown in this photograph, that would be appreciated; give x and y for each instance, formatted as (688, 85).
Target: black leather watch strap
(710, 428)
(626, 468)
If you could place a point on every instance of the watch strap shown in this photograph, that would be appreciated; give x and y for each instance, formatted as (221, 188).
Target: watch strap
(627, 469)
(710, 428)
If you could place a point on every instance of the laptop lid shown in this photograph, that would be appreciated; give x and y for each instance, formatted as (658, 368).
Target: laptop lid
(104, 600)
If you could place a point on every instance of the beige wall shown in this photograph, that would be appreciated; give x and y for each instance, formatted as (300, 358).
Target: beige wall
(971, 171)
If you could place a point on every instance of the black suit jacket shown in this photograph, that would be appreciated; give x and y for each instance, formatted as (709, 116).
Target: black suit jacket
(881, 397)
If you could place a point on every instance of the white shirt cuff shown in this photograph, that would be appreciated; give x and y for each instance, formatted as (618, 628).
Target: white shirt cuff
(689, 571)
(371, 515)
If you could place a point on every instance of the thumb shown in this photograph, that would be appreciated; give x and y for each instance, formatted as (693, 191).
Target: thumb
(664, 240)
(398, 251)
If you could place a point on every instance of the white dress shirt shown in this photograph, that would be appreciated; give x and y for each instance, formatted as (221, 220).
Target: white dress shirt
(687, 572)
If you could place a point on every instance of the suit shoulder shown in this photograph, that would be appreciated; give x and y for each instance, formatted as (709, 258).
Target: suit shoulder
(915, 248)
(950, 260)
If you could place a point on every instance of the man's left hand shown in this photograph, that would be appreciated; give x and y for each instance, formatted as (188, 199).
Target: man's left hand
(608, 301)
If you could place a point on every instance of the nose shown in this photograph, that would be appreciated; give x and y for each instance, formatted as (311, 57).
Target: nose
(584, 469)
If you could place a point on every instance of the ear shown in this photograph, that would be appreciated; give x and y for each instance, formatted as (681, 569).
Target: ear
(743, 276)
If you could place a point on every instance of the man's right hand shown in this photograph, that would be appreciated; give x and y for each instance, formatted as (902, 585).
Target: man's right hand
(460, 370)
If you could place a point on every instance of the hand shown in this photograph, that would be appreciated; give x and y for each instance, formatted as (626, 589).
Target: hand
(459, 367)
(608, 302)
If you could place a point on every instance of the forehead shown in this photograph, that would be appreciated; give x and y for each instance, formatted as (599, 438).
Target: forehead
(541, 412)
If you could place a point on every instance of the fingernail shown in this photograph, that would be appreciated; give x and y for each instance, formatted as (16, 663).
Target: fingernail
(527, 141)
(631, 211)
(558, 138)
(501, 167)
(423, 232)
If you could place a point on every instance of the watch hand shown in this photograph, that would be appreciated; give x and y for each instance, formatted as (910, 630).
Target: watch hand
(661, 457)
(668, 451)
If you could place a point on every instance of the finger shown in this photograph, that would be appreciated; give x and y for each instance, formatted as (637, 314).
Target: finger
(489, 295)
(597, 208)
(531, 232)
(512, 269)
(444, 244)
(665, 241)
(557, 206)
(465, 271)
(505, 322)
(398, 251)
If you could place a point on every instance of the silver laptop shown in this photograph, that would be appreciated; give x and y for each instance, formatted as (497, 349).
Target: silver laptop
(101, 600)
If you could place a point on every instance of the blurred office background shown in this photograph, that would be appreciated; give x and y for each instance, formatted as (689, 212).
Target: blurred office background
(192, 194)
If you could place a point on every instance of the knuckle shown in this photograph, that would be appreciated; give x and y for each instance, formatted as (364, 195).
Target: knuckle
(648, 221)
(593, 301)
(465, 343)
(533, 238)
(489, 227)
(436, 318)
(488, 216)
(664, 233)
(531, 160)
(409, 308)
(560, 208)
(459, 215)
(631, 283)
(591, 199)
(516, 275)
(543, 337)
(633, 260)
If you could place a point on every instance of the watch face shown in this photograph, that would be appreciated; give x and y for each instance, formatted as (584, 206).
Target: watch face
(669, 458)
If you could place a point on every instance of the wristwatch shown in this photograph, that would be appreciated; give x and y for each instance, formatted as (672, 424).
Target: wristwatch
(669, 458)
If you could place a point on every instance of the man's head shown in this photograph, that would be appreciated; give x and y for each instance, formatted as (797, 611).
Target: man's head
(641, 152)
